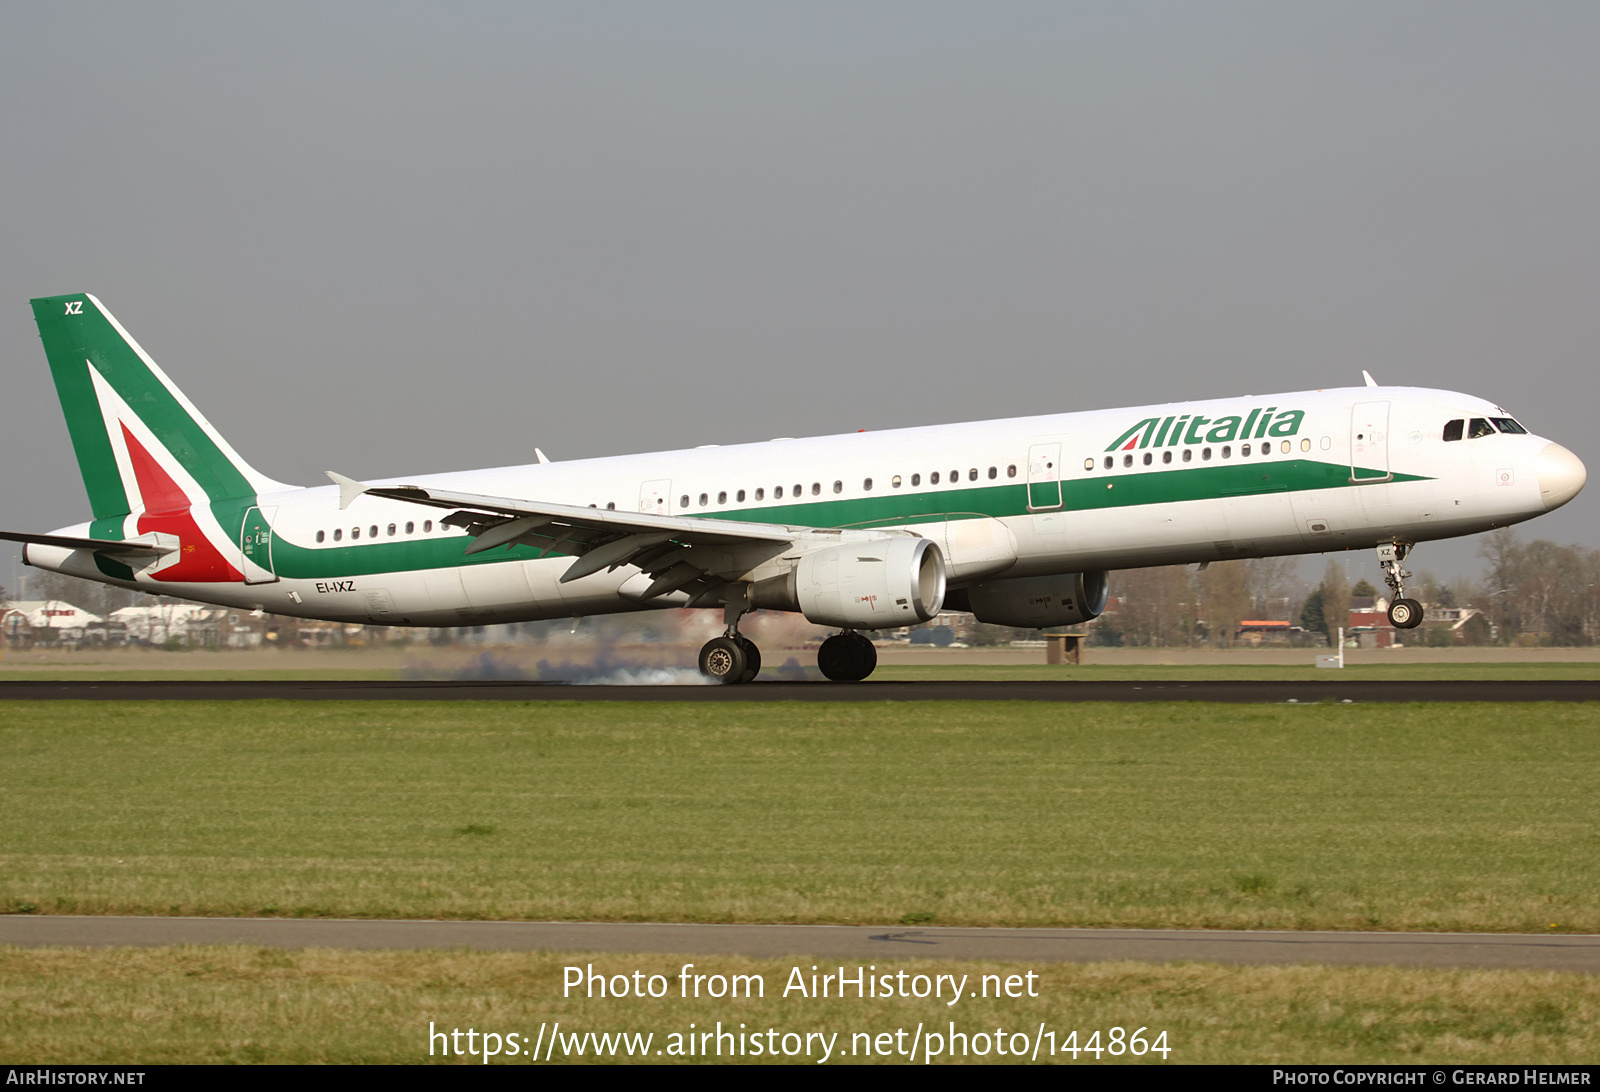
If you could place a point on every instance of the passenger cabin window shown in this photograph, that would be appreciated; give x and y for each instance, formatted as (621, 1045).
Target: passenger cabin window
(1166, 456)
(1088, 464)
(411, 527)
(838, 487)
(972, 475)
(355, 532)
(916, 479)
(895, 481)
(777, 494)
(933, 479)
(761, 494)
(722, 497)
(1454, 429)
(993, 473)
(739, 496)
(1479, 429)
(391, 530)
(1110, 462)
(321, 535)
(338, 533)
(683, 501)
(1127, 460)
(427, 526)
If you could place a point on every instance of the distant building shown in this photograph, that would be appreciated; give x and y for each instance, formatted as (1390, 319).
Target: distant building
(47, 621)
(1262, 631)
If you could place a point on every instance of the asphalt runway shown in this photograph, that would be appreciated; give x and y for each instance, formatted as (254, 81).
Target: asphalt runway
(1309, 691)
(873, 944)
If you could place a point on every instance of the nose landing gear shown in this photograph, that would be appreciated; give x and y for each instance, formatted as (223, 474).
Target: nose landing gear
(1404, 613)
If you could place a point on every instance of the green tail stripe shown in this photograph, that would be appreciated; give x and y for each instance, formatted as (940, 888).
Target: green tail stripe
(74, 330)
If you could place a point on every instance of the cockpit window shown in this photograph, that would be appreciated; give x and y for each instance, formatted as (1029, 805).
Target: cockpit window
(1479, 429)
(1452, 429)
(1507, 425)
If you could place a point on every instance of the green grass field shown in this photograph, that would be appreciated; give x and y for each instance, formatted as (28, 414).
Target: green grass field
(1454, 817)
(243, 1004)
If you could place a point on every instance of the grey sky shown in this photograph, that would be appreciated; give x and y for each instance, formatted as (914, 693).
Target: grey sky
(397, 238)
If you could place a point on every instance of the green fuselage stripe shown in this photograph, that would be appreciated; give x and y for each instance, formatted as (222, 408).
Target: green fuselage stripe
(1127, 490)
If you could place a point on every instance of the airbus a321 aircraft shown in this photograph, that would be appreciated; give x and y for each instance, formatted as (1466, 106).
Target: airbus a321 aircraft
(1017, 521)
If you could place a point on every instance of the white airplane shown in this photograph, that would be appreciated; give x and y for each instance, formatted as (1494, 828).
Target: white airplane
(1017, 521)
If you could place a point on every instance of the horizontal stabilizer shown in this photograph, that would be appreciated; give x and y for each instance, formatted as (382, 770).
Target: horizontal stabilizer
(112, 547)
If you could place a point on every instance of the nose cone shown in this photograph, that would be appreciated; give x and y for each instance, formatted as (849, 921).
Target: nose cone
(1561, 476)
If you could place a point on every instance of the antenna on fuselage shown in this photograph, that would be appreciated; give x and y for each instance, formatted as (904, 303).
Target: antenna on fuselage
(1371, 382)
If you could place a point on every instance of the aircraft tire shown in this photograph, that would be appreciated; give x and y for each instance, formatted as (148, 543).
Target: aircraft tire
(1405, 614)
(752, 656)
(847, 657)
(723, 660)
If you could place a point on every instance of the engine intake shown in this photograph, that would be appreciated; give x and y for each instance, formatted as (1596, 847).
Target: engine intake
(871, 585)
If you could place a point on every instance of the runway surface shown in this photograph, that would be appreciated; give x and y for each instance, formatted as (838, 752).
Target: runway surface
(1565, 690)
(880, 944)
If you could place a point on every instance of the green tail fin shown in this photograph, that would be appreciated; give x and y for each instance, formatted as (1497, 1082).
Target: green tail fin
(110, 389)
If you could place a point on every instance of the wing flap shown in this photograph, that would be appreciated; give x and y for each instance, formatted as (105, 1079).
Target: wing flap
(598, 538)
(681, 528)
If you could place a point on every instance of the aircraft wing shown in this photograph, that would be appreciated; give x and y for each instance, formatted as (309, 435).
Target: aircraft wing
(671, 549)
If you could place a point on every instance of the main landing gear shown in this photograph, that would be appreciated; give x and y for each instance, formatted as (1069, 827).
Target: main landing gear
(734, 658)
(847, 657)
(1403, 613)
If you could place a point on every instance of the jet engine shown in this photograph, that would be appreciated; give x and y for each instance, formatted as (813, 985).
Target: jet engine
(875, 584)
(1035, 601)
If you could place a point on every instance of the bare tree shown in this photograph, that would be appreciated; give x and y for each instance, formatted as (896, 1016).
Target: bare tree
(1155, 606)
(1272, 581)
(1225, 599)
(1335, 598)
(94, 597)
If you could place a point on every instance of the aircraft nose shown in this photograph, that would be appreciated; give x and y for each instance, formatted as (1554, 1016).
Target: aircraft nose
(1561, 475)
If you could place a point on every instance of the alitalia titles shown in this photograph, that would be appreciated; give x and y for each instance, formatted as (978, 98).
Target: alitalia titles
(1198, 429)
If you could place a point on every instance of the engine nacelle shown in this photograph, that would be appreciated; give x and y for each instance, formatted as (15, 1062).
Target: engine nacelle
(870, 585)
(1033, 602)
